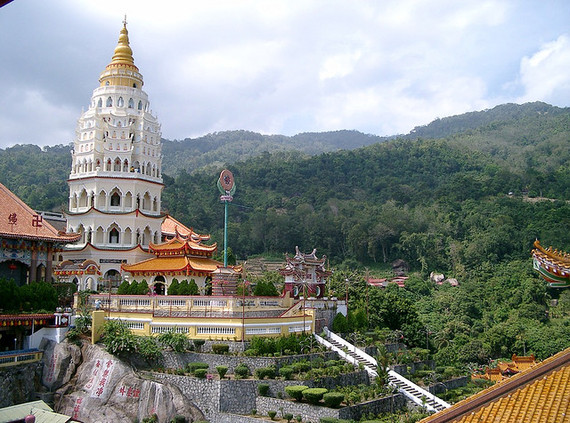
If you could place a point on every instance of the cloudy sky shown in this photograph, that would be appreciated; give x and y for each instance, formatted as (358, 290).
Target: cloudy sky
(281, 66)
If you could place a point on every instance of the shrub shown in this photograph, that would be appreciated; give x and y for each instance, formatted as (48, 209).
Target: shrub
(288, 417)
(296, 391)
(242, 371)
(330, 420)
(201, 373)
(179, 419)
(265, 372)
(222, 370)
(177, 341)
(198, 344)
(192, 367)
(314, 395)
(272, 414)
(333, 399)
(263, 389)
(301, 366)
(299, 418)
(253, 411)
(286, 372)
(220, 348)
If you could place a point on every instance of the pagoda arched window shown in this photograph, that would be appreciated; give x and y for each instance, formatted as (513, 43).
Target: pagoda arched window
(109, 102)
(155, 205)
(131, 103)
(120, 102)
(128, 237)
(129, 201)
(115, 200)
(140, 106)
(100, 103)
(108, 167)
(114, 236)
(117, 167)
(126, 166)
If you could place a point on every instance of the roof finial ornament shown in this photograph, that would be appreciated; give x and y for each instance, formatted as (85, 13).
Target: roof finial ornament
(125, 20)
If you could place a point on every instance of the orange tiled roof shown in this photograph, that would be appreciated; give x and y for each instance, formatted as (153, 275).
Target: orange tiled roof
(538, 394)
(17, 220)
(172, 227)
(180, 245)
(177, 264)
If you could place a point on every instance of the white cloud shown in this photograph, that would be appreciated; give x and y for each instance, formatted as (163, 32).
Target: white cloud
(545, 76)
(285, 66)
(28, 117)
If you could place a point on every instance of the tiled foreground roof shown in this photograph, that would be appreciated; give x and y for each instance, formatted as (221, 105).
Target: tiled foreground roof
(538, 394)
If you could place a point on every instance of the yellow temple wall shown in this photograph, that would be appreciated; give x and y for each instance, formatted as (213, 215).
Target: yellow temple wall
(209, 328)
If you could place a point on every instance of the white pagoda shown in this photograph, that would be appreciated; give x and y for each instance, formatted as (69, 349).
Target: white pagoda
(115, 183)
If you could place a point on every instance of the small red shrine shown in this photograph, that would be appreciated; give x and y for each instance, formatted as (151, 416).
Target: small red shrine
(305, 273)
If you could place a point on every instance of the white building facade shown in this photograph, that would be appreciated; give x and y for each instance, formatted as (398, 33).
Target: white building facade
(115, 183)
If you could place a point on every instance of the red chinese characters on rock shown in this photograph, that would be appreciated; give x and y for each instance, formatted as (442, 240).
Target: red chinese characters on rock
(129, 392)
(51, 369)
(77, 408)
(100, 377)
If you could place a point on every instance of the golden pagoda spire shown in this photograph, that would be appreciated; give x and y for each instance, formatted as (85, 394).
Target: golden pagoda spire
(123, 52)
(122, 69)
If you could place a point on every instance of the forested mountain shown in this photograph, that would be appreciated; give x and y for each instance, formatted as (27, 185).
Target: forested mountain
(219, 148)
(435, 202)
(465, 195)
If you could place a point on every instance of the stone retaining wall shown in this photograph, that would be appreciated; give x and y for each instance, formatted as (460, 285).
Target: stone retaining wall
(411, 368)
(178, 360)
(314, 413)
(20, 383)
(240, 396)
(438, 388)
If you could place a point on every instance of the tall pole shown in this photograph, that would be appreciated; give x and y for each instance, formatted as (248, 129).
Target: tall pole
(225, 233)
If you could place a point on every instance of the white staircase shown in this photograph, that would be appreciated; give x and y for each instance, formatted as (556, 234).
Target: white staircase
(356, 356)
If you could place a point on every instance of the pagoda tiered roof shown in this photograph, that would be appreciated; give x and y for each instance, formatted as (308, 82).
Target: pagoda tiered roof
(553, 265)
(171, 228)
(175, 265)
(180, 255)
(183, 246)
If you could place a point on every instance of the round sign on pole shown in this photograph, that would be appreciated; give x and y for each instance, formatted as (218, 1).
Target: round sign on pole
(227, 180)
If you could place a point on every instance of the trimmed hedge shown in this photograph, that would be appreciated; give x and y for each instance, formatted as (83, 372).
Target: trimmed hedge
(220, 348)
(263, 389)
(314, 395)
(333, 399)
(265, 372)
(192, 367)
(201, 373)
(242, 371)
(222, 370)
(286, 372)
(296, 391)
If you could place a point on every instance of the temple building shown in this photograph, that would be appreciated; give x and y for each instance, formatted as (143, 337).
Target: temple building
(305, 274)
(115, 183)
(181, 257)
(28, 244)
(552, 265)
